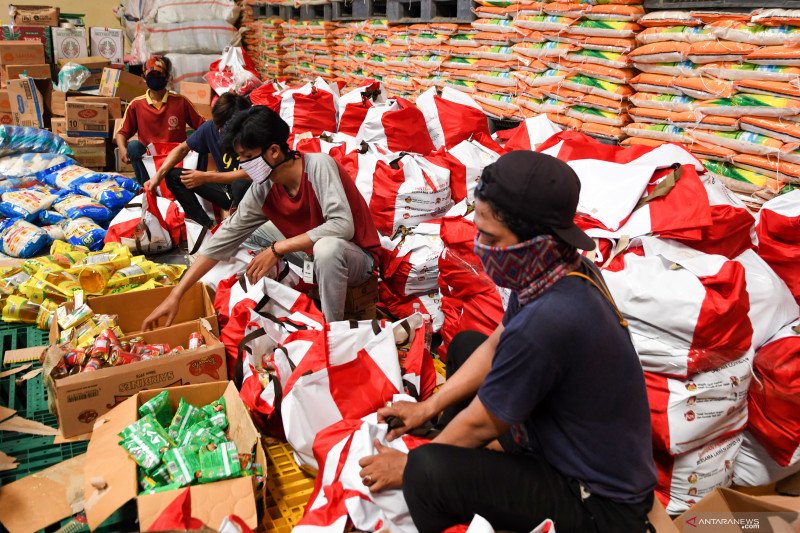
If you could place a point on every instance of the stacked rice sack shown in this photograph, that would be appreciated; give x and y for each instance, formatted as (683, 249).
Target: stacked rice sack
(428, 53)
(345, 66)
(308, 46)
(577, 64)
(263, 42)
(390, 55)
(727, 86)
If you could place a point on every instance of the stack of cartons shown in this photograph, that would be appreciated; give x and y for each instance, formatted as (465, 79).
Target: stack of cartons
(200, 95)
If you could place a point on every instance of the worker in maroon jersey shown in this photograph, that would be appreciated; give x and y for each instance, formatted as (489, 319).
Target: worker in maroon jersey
(295, 204)
(157, 116)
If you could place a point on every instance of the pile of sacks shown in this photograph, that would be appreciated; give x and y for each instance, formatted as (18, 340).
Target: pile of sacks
(671, 236)
(576, 63)
(264, 44)
(46, 196)
(727, 86)
(308, 47)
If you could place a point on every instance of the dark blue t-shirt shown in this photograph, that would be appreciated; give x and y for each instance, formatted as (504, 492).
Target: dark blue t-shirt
(206, 140)
(566, 377)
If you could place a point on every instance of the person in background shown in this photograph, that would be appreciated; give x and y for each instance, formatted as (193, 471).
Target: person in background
(223, 188)
(157, 116)
(547, 417)
(309, 204)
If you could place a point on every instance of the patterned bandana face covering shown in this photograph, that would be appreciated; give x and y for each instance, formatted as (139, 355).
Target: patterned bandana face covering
(528, 268)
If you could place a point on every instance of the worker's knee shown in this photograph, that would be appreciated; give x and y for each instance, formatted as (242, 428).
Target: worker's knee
(328, 250)
(424, 467)
(136, 149)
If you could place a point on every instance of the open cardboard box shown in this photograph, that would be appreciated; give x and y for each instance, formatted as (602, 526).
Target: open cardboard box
(132, 308)
(109, 463)
(81, 398)
(730, 511)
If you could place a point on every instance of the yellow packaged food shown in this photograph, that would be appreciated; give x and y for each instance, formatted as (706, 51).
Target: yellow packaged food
(169, 274)
(20, 309)
(137, 273)
(60, 281)
(93, 278)
(60, 247)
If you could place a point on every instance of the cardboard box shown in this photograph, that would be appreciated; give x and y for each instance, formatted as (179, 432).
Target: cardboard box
(58, 125)
(39, 34)
(34, 15)
(126, 86)
(659, 518)
(6, 116)
(58, 104)
(197, 93)
(90, 152)
(14, 72)
(119, 166)
(69, 43)
(107, 43)
(27, 97)
(95, 66)
(81, 398)
(133, 307)
(719, 512)
(86, 119)
(21, 53)
(114, 104)
(211, 502)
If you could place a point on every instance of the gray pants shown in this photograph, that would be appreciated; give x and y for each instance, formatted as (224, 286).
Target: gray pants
(338, 264)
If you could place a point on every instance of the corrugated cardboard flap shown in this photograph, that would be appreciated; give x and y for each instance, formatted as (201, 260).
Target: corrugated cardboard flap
(107, 462)
(728, 501)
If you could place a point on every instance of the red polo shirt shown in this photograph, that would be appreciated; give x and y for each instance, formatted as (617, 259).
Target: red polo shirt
(163, 121)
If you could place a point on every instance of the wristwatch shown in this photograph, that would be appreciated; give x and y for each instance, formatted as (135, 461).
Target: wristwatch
(274, 251)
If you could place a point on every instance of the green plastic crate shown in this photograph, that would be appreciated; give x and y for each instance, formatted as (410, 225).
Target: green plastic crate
(37, 337)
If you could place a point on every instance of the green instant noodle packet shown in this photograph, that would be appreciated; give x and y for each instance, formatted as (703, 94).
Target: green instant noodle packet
(217, 413)
(146, 441)
(202, 434)
(186, 416)
(165, 488)
(160, 475)
(159, 408)
(183, 465)
(218, 462)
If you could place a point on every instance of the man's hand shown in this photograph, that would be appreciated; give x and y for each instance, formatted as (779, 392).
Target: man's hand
(409, 414)
(192, 179)
(151, 184)
(383, 471)
(261, 265)
(168, 309)
(123, 155)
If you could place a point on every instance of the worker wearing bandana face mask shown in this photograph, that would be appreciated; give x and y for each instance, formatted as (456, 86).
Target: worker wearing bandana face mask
(548, 417)
(296, 205)
(157, 116)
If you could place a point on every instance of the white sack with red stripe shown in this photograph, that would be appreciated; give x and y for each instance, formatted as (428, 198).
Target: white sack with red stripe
(684, 480)
(355, 372)
(688, 413)
(774, 398)
(397, 125)
(707, 324)
(400, 306)
(754, 467)
(452, 117)
(353, 106)
(155, 156)
(334, 144)
(190, 67)
(148, 224)
(411, 264)
(173, 11)
(192, 37)
(265, 296)
(340, 496)
(532, 133)
(310, 108)
(779, 238)
(468, 159)
(231, 285)
(406, 191)
(269, 351)
(480, 525)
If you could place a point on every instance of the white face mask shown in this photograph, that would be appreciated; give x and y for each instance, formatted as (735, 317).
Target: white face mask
(257, 168)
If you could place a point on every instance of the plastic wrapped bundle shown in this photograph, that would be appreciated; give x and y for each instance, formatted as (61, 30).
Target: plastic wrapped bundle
(17, 139)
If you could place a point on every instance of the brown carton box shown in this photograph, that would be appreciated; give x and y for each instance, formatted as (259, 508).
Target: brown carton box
(121, 84)
(69, 44)
(108, 43)
(58, 125)
(90, 152)
(729, 511)
(28, 98)
(81, 398)
(34, 15)
(21, 53)
(85, 119)
(58, 104)
(211, 503)
(13, 72)
(95, 66)
(114, 104)
(197, 93)
(133, 307)
(39, 34)
(6, 116)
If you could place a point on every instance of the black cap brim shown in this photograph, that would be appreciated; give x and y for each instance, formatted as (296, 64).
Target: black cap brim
(576, 237)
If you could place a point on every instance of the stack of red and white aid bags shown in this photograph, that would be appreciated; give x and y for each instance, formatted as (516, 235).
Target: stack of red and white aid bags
(673, 237)
(726, 85)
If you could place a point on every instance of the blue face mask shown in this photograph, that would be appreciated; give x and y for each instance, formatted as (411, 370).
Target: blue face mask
(156, 83)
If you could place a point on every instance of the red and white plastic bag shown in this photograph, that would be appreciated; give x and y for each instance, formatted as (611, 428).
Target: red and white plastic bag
(156, 155)
(411, 265)
(353, 106)
(148, 224)
(397, 125)
(755, 467)
(311, 108)
(778, 232)
(467, 161)
(452, 117)
(532, 133)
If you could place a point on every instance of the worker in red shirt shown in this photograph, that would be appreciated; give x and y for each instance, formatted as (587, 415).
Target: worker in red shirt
(157, 116)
